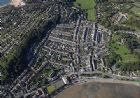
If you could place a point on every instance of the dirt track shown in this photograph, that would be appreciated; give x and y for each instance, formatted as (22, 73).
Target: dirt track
(101, 90)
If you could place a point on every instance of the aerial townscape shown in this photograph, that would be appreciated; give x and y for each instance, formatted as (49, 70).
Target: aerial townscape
(69, 48)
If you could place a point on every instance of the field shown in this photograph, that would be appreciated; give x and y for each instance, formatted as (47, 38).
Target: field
(121, 48)
(133, 11)
(89, 6)
(47, 72)
(101, 90)
(51, 89)
(136, 8)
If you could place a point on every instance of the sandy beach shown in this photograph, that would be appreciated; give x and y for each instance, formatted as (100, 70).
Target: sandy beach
(101, 90)
(17, 3)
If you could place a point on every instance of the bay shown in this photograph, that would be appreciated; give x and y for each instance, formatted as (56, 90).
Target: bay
(4, 2)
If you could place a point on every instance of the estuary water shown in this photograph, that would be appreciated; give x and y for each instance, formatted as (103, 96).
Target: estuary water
(4, 2)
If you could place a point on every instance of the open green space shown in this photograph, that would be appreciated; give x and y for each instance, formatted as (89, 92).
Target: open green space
(133, 11)
(47, 72)
(51, 89)
(130, 9)
(122, 49)
(89, 6)
(136, 10)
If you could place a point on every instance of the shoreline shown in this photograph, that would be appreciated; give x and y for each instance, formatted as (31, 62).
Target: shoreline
(15, 3)
(101, 87)
(99, 82)
(5, 4)
(135, 83)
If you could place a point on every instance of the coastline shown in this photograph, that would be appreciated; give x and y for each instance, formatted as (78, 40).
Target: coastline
(5, 4)
(101, 88)
(15, 3)
(101, 80)
(1, 6)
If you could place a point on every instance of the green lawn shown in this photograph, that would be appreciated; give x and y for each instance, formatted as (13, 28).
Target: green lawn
(133, 11)
(122, 50)
(47, 72)
(89, 6)
(136, 10)
(51, 89)
(131, 7)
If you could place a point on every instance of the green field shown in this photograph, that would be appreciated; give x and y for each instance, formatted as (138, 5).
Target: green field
(122, 49)
(51, 89)
(47, 72)
(133, 11)
(89, 6)
(136, 8)
(131, 8)
(124, 52)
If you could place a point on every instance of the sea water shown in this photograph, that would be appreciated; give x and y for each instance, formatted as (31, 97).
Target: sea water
(4, 2)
